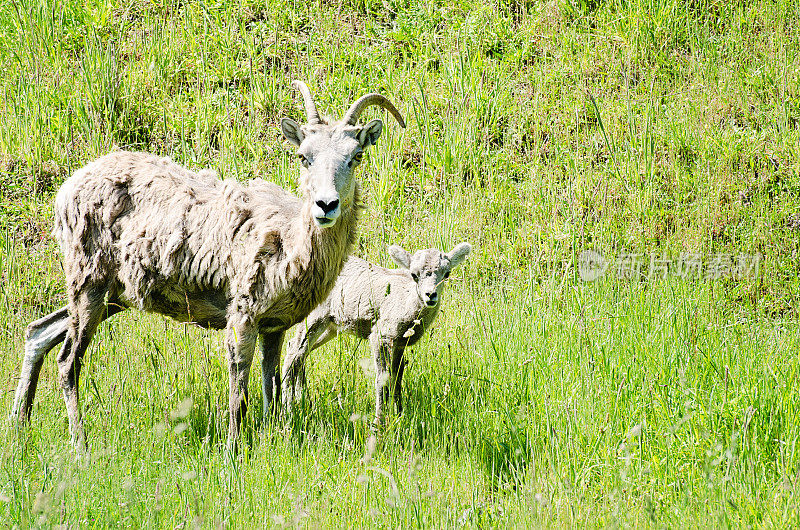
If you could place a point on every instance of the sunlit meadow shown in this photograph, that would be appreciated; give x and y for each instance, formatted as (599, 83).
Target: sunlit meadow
(644, 130)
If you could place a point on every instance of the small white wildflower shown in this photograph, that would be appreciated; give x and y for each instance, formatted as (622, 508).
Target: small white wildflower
(372, 442)
(541, 499)
(183, 409)
(179, 428)
(367, 365)
(160, 429)
(41, 503)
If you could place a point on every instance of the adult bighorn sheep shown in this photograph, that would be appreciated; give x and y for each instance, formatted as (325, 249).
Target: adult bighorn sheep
(137, 230)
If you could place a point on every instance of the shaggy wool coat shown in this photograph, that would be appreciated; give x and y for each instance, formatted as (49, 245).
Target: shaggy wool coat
(188, 245)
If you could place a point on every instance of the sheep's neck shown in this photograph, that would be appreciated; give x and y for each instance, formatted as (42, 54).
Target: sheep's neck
(326, 248)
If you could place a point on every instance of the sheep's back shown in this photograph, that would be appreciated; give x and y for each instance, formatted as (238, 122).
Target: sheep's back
(154, 225)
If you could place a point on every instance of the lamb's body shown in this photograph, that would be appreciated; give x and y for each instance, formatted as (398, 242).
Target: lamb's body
(187, 245)
(392, 308)
(368, 298)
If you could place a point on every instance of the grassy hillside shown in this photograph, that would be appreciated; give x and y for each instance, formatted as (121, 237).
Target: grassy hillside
(536, 131)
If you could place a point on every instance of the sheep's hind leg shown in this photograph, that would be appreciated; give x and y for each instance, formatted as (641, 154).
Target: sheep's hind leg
(41, 336)
(294, 367)
(87, 311)
(271, 344)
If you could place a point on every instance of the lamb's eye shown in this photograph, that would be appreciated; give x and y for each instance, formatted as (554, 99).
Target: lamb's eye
(414, 276)
(446, 275)
(303, 160)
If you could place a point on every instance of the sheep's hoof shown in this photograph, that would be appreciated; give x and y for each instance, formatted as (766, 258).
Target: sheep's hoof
(232, 451)
(80, 451)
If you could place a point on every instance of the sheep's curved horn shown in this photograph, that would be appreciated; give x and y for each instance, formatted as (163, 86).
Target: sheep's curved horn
(311, 108)
(355, 110)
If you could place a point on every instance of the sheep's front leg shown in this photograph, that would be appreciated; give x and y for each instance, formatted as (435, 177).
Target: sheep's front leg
(381, 352)
(271, 344)
(241, 335)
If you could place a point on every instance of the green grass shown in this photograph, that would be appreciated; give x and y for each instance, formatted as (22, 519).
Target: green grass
(536, 131)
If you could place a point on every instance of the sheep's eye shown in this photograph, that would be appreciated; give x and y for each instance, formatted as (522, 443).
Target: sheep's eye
(303, 160)
(414, 276)
(446, 275)
(356, 158)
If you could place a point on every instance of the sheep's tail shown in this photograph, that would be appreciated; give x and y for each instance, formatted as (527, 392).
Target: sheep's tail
(85, 208)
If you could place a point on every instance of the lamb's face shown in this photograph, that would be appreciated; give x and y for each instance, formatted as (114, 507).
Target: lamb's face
(430, 268)
(330, 154)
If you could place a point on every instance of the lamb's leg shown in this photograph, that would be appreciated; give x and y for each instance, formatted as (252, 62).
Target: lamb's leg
(310, 336)
(329, 332)
(241, 336)
(86, 310)
(41, 336)
(271, 344)
(398, 367)
(381, 352)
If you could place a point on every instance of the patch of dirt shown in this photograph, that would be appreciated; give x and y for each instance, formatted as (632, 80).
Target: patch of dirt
(18, 179)
(793, 222)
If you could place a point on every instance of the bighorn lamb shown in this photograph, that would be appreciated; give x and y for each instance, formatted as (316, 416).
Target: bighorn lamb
(390, 307)
(140, 231)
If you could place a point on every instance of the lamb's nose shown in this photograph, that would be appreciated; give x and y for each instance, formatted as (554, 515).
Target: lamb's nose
(328, 206)
(432, 297)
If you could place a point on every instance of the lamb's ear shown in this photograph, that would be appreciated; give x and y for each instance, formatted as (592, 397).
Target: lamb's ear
(458, 254)
(400, 256)
(292, 131)
(370, 133)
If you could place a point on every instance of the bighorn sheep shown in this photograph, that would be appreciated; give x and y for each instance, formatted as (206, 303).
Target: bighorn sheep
(390, 307)
(140, 231)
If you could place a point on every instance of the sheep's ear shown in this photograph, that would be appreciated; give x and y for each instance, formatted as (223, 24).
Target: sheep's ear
(292, 132)
(400, 256)
(370, 133)
(458, 254)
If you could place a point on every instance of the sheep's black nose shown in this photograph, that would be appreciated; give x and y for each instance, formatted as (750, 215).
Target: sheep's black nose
(432, 298)
(328, 206)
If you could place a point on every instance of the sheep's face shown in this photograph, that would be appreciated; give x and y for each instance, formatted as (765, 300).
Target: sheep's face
(430, 268)
(330, 154)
